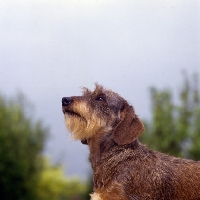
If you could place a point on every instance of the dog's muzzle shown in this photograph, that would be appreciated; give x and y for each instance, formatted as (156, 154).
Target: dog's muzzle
(66, 101)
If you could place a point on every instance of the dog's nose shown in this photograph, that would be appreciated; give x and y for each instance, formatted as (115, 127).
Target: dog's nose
(66, 101)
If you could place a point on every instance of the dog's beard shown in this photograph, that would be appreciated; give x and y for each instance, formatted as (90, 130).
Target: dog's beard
(82, 128)
(75, 125)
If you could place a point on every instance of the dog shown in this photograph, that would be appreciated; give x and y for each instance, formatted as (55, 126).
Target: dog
(123, 168)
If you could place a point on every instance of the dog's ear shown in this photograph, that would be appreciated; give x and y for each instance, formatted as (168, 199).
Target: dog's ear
(129, 128)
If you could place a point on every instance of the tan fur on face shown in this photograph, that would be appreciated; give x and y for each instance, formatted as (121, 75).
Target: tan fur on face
(87, 124)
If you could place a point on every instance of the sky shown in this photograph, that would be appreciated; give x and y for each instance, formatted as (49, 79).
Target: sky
(50, 49)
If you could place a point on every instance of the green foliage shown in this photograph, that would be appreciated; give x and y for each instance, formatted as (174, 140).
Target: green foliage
(175, 128)
(21, 143)
(55, 186)
(89, 189)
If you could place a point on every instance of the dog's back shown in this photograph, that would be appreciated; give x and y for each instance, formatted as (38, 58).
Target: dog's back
(139, 173)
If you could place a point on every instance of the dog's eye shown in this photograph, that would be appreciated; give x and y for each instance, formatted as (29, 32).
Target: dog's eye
(100, 98)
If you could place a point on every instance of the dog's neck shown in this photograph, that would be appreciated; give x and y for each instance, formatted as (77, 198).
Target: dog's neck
(103, 151)
(95, 155)
(99, 146)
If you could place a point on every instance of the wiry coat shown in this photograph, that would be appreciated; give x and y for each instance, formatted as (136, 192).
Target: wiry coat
(123, 168)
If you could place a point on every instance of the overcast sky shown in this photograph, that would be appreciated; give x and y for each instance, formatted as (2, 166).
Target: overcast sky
(49, 49)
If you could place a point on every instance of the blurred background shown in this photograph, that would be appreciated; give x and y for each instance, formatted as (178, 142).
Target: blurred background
(147, 51)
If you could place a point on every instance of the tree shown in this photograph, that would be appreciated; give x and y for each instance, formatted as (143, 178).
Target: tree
(54, 185)
(21, 145)
(175, 127)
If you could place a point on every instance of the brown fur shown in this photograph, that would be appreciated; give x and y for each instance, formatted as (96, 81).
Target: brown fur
(123, 168)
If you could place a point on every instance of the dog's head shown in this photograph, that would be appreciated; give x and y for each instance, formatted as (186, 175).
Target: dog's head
(100, 112)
